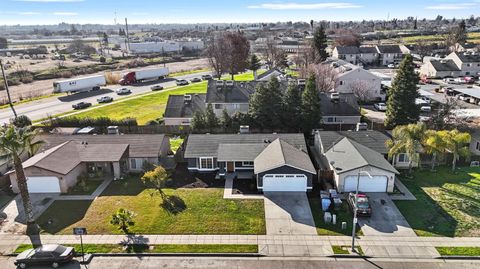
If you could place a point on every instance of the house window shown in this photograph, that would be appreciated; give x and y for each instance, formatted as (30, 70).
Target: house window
(206, 163)
(478, 146)
(341, 82)
(330, 119)
(133, 163)
(247, 163)
(403, 158)
(218, 106)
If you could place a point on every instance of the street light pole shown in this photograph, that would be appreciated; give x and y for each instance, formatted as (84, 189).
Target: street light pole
(8, 91)
(354, 225)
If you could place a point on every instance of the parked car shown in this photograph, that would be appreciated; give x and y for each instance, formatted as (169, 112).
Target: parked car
(463, 97)
(363, 205)
(380, 106)
(53, 255)
(105, 99)
(207, 77)
(419, 101)
(449, 80)
(444, 89)
(156, 88)
(123, 91)
(425, 108)
(391, 66)
(182, 82)
(81, 105)
(194, 80)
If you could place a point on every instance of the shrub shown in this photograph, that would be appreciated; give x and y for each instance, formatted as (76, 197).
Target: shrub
(103, 60)
(21, 121)
(94, 122)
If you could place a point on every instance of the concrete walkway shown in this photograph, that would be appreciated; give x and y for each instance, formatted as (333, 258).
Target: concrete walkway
(405, 195)
(93, 196)
(272, 245)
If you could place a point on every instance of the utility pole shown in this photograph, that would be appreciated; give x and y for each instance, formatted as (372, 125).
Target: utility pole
(8, 91)
(127, 35)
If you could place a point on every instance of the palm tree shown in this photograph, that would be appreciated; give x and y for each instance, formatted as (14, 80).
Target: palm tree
(407, 139)
(15, 142)
(434, 144)
(457, 144)
(123, 218)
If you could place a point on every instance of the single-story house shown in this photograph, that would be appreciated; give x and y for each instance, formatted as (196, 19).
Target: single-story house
(343, 111)
(65, 157)
(180, 109)
(278, 162)
(348, 158)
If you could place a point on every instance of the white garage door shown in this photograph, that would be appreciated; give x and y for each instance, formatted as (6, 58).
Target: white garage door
(367, 184)
(43, 185)
(284, 183)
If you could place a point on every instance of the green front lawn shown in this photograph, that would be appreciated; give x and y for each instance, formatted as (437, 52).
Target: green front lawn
(247, 76)
(459, 251)
(86, 188)
(190, 211)
(143, 108)
(175, 143)
(448, 204)
(344, 214)
(164, 248)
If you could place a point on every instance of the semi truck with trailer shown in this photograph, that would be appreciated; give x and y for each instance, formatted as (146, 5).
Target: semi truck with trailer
(143, 75)
(82, 84)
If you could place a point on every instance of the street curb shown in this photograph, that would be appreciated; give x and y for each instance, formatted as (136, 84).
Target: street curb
(455, 257)
(166, 254)
(342, 256)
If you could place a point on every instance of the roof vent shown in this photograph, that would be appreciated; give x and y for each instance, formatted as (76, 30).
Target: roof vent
(443, 61)
(187, 98)
(335, 96)
(267, 141)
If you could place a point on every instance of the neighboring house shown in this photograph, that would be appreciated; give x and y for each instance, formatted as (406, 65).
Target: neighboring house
(468, 63)
(466, 47)
(347, 158)
(390, 54)
(181, 108)
(278, 162)
(280, 75)
(347, 53)
(439, 68)
(64, 157)
(354, 79)
(230, 95)
(368, 55)
(343, 111)
(475, 142)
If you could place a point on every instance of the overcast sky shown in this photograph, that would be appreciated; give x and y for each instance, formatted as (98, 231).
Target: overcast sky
(201, 11)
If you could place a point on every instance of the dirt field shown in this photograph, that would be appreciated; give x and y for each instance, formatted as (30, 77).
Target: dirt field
(44, 87)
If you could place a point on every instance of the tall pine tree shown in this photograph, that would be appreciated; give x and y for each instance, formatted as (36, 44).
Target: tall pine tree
(292, 108)
(266, 105)
(401, 108)
(320, 44)
(254, 65)
(211, 120)
(311, 106)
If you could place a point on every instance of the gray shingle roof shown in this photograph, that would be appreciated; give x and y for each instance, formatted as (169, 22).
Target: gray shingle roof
(389, 49)
(347, 50)
(66, 156)
(206, 145)
(469, 58)
(371, 50)
(239, 152)
(348, 155)
(266, 76)
(178, 108)
(444, 65)
(238, 93)
(370, 138)
(140, 145)
(347, 106)
(280, 153)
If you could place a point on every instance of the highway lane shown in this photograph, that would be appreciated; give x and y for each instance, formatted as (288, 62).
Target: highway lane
(40, 109)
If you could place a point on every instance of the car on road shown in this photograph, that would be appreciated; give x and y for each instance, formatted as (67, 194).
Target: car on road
(195, 80)
(156, 88)
(123, 91)
(207, 77)
(104, 99)
(53, 255)
(81, 105)
(391, 66)
(182, 82)
(363, 205)
(380, 106)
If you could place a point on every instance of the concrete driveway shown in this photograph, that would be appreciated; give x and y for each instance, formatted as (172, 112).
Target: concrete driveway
(386, 219)
(288, 213)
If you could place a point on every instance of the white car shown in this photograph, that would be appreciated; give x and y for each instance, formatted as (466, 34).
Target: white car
(380, 106)
(420, 101)
(463, 97)
(391, 66)
(449, 80)
(425, 108)
(123, 91)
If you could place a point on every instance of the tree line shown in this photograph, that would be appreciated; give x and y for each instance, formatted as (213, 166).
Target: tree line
(270, 108)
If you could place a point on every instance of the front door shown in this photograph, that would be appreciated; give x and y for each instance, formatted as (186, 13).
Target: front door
(230, 167)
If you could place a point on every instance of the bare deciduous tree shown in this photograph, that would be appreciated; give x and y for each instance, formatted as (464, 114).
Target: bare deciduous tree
(215, 51)
(362, 89)
(228, 52)
(326, 76)
(347, 38)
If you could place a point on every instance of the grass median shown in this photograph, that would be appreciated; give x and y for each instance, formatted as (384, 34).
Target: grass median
(459, 251)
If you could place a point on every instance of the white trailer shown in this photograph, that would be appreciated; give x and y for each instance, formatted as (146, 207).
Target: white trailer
(144, 74)
(79, 84)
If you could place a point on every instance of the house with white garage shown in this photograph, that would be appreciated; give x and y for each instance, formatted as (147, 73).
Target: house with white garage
(278, 162)
(348, 158)
(63, 158)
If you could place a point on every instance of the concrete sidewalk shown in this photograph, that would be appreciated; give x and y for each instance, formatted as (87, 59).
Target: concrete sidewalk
(272, 245)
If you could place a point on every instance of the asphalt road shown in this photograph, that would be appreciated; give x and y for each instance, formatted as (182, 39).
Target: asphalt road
(255, 263)
(40, 109)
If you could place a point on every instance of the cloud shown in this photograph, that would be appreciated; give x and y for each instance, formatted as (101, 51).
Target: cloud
(51, 1)
(28, 13)
(457, 6)
(65, 13)
(302, 6)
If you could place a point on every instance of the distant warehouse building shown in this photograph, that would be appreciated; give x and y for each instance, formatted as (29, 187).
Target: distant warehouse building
(163, 46)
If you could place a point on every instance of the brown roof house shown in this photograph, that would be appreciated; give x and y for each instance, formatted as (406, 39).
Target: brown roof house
(63, 158)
